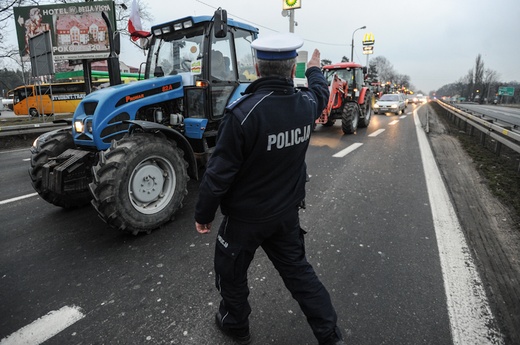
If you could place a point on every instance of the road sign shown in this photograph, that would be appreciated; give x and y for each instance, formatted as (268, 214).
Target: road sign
(291, 4)
(506, 91)
(368, 50)
(368, 39)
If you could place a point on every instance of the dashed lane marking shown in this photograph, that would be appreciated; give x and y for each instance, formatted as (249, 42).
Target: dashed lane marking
(45, 327)
(7, 201)
(349, 149)
(393, 122)
(376, 133)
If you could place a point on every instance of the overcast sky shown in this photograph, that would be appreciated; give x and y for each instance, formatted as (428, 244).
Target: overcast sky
(435, 42)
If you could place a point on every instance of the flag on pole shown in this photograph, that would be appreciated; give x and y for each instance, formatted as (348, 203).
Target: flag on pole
(134, 24)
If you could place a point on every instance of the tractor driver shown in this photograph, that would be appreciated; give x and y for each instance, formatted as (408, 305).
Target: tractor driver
(219, 68)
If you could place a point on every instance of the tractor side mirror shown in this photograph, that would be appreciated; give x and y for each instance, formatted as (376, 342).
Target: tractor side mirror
(220, 24)
(365, 70)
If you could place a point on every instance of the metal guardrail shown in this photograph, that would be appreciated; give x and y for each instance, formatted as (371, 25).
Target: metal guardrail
(29, 129)
(490, 118)
(502, 134)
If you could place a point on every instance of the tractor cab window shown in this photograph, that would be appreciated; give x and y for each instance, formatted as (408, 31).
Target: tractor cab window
(177, 53)
(345, 74)
(244, 53)
(223, 72)
(360, 78)
(222, 68)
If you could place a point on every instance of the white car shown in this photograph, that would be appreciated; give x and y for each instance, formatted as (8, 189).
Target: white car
(422, 99)
(7, 103)
(390, 103)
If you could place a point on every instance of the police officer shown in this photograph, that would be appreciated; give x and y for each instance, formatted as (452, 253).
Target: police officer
(257, 175)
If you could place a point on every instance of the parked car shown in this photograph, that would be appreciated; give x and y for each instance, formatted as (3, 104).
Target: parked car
(390, 103)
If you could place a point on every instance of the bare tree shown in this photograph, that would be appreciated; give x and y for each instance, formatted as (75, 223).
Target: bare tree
(479, 76)
(490, 83)
(469, 81)
(403, 80)
(384, 69)
(7, 50)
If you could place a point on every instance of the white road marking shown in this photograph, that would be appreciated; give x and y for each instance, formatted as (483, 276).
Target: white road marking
(376, 133)
(349, 149)
(393, 122)
(45, 327)
(15, 150)
(403, 116)
(471, 319)
(2, 202)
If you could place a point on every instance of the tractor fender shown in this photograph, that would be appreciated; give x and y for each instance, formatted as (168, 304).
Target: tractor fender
(182, 142)
(362, 93)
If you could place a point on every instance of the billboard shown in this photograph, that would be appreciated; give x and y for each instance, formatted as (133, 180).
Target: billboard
(77, 30)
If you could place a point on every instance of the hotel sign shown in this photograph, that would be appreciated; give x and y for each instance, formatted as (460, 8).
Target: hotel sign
(78, 30)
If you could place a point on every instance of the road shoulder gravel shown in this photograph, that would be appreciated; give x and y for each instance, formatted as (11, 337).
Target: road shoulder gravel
(490, 226)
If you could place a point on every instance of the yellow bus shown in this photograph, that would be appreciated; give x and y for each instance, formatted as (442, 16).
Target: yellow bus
(49, 99)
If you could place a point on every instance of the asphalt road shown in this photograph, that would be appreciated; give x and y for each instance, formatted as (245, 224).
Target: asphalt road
(6, 113)
(373, 237)
(506, 115)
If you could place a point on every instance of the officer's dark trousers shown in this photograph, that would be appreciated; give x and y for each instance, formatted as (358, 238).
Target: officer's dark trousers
(282, 241)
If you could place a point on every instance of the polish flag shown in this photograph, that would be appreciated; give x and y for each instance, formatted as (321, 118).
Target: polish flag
(134, 24)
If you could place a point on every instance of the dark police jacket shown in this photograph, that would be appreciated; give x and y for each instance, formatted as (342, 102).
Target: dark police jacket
(257, 170)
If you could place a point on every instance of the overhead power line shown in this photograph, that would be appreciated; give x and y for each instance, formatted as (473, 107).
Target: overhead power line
(265, 27)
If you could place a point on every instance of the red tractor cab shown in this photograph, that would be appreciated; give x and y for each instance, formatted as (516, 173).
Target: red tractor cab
(350, 98)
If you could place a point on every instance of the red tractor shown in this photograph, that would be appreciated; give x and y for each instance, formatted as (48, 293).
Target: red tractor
(350, 99)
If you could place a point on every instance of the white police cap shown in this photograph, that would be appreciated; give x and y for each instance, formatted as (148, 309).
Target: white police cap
(277, 47)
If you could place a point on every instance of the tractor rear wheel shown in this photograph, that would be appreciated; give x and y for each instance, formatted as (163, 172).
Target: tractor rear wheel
(139, 182)
(56, 142)
(350, 118)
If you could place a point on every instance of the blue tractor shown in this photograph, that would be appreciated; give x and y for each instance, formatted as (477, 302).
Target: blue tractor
(132, 147)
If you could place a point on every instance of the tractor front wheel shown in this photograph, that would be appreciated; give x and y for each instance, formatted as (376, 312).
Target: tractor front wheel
(139, 182)
(367, 110)
(350, 118)
(52, 145)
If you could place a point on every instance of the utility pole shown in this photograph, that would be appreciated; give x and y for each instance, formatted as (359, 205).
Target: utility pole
(291, 21)
(288, 8)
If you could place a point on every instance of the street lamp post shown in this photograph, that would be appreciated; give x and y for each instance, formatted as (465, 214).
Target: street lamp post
(352, 51)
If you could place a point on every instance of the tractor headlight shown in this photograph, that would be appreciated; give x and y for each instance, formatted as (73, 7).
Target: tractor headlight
(376, 105)
(78, 126)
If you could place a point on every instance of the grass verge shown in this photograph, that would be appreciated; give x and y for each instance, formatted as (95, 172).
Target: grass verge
(501, 172)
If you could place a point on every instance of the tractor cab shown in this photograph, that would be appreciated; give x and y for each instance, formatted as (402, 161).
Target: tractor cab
(353, 74)
(213, 56)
